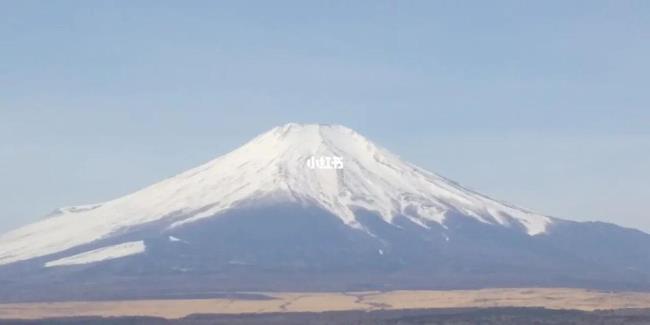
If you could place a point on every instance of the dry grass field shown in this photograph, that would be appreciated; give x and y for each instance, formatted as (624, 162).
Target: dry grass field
(315, 302)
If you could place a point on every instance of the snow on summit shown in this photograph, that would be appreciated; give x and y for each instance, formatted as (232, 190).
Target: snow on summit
(278, 164)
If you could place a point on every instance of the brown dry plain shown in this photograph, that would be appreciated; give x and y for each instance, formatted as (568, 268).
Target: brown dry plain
(316, 302)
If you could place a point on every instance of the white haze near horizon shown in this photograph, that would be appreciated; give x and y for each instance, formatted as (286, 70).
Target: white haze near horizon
(543, 105)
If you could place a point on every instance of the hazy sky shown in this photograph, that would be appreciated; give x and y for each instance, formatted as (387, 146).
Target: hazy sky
(543, 104)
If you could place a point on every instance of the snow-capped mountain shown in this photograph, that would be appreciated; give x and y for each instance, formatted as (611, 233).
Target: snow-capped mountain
(274, 164)
(324, 199)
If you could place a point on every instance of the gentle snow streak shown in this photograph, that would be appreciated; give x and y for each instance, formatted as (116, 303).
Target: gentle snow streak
(101, 254)
(273, 165)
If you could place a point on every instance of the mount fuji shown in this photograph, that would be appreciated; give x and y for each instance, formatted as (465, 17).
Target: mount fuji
(277, 214)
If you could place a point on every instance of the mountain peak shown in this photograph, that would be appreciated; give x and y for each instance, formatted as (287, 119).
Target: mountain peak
(309, 137)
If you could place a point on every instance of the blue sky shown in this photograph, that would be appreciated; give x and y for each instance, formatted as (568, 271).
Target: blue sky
(544, 104)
